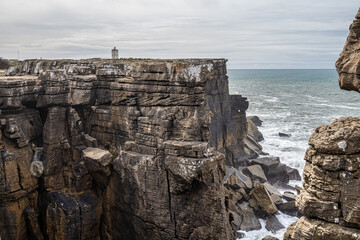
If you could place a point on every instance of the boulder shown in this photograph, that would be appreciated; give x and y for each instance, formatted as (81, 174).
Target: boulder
(263, 199)
(293, 173)
(284, 134)
(255, 172)
(269, 238)
(255, 119)
(274, 170)
(272, 224)
(254, 132)
(289, 196)
(289, 208)
(250, 221)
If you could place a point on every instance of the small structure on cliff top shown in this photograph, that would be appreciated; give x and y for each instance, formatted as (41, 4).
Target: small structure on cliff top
(114, 53)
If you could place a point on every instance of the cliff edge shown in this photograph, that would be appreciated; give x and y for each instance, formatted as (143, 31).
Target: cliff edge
(117, 149)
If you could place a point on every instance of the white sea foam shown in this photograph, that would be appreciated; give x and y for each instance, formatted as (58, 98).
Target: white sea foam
(295, 102)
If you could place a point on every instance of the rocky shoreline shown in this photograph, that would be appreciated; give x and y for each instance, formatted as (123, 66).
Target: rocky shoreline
(134, 149)
(252, 188)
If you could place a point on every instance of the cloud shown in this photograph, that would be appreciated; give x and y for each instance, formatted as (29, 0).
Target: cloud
(251, 34)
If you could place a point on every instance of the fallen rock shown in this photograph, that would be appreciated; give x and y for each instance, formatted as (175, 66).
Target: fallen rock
(284, 134)
(293, 173)
(255, 119)
(254, 132)
(250, 221)
(274, 170)
(255, 172)
(270, 238)
(263, 199)
(289, 208)
(289, 196)
(273, 224)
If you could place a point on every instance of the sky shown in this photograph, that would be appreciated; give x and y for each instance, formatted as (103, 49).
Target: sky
(270, 34)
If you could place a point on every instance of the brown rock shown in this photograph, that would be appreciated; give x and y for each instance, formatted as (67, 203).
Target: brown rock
(263, 199)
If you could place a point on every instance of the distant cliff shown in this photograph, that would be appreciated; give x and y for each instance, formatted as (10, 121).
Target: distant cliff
(116, 149)
(330, 200)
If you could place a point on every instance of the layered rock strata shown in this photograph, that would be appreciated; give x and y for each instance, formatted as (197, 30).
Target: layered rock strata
(330, 199)
(100, 149)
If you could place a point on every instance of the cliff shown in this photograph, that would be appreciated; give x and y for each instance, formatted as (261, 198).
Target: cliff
(330, 199)
(116, 149)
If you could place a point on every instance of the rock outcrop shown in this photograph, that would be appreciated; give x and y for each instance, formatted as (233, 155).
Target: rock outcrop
(348, 64)
(330, 200)
(110, 149)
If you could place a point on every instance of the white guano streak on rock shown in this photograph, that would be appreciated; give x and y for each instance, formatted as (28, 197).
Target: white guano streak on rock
(194, 71)
(342, 145)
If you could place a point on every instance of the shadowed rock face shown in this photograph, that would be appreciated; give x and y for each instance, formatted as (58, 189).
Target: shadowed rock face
(330, 200)
(100, 149)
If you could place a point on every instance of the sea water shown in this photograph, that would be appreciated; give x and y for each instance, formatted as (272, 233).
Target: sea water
(293, 102)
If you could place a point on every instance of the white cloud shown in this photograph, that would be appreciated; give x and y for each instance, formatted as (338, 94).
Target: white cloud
(262, 33)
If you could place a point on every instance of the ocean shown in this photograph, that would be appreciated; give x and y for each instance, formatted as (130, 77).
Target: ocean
(292, 101)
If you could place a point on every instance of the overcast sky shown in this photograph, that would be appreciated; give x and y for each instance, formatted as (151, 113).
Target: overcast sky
(250, 33)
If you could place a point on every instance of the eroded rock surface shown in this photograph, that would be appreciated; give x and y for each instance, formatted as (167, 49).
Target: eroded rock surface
(330, 199)
(100, 149)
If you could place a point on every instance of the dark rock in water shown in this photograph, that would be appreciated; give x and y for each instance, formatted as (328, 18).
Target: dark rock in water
(254, 132)
(274, 193)
(252, 147)
(255, 172)
(284, 134)
(239, 235)
(263, 200)
(255, 119)
(298, 189)
(289, 196)
(289, 208)
(270, 238)
(274, 170)
(249, 221)
(235, 220)
(273, 224)
(293, 173)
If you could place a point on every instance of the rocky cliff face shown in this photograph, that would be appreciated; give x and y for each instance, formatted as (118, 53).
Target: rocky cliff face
(330, 199)
(348, 64)
(100, 149)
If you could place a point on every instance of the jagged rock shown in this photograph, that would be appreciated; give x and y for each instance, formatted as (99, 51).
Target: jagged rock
(237, 180)
(255, 119)
(289, 208)
(269, 238)
(273, 224)
(348, 62)
(255, 172)
(235, 220)
(289, 196)
(34, 227)
(168, 127)
(249, 221)
(340, 137)
(253, 131)
(263, 199)
(275, 171)
(311, 229)
(293, 173)
(274, 193)
(252, 147)
(284, 134)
